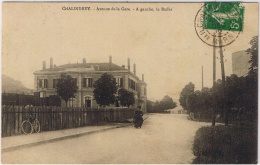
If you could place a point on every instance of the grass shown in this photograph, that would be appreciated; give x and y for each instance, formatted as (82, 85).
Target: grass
(226, 145)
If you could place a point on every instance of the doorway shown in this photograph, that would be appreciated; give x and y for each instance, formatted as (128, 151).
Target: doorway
(88, 101)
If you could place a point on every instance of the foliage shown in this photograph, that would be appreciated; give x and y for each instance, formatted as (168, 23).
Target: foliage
(149, 106)
(186, 91)
(252, 78)
(240, 92)
(225, 145)
(200, 101)
(105, 90)
(253, 51)
(160, 106)
(66, 87)
(167, 103)
(126, 97)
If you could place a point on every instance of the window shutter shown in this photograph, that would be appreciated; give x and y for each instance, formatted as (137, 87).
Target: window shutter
(121, 82)
(129, 83)
(90, 82)
(54, 83)
(84, 82)
(39, 83)
(45, 83)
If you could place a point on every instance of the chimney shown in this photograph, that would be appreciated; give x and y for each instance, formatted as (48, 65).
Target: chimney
(128, 64)
(51, 62)
(43, 65)
(110, 59)
(134, 69)
(143, 77)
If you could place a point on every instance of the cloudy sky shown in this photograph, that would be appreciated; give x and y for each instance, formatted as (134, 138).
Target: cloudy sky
(163, 44)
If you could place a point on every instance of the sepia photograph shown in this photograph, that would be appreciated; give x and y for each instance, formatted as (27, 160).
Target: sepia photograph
(129, 82)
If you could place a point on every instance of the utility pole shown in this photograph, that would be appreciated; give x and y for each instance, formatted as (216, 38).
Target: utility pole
(223, 79)
(214, 79)
(214, 59)
(202, 77)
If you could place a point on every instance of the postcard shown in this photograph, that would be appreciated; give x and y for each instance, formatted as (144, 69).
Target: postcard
(129, 82)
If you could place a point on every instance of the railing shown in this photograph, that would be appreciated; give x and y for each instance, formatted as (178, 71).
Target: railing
(56, 118)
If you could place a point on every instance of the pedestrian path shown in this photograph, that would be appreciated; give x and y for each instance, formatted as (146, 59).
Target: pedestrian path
(20, 141)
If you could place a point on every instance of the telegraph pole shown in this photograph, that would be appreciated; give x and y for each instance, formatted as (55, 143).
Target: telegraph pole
(214, 59)
(223, 79)
(214, 79)
(202, 77)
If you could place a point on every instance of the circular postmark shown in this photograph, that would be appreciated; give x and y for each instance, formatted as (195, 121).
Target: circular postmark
(219, 23)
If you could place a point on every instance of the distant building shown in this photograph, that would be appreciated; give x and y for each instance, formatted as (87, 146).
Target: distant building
(240, 63)
(86, 74)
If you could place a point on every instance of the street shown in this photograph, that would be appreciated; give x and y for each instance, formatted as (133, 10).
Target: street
(163, 139)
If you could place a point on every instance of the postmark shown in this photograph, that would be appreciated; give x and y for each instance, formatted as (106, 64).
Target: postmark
(217, 21)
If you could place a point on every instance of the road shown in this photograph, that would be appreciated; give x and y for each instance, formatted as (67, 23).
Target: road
(163, 139)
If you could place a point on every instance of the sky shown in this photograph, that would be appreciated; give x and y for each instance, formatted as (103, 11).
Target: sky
(163, 44)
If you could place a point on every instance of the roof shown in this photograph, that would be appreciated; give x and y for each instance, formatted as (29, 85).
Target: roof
(81, 67)
(94, 66)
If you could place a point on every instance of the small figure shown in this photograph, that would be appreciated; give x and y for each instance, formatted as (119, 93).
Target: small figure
(138, 118)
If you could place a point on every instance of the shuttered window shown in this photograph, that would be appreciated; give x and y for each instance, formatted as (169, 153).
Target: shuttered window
(132, 84)
(43, 83)
(55, 82)
(119, 82)
(87, 82)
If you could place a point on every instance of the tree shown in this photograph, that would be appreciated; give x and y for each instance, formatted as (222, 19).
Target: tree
(126, 97)
(252, 78)
(149, 106)
(167, 103)
(160, 106)
(187, 90)
(66, 87)
(193, 101)
(253, 51)
(105, 90)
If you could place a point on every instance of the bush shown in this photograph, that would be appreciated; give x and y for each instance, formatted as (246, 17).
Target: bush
(226, 145)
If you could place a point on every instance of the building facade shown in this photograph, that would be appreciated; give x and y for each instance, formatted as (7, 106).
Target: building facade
(85, 74)
(240, 64)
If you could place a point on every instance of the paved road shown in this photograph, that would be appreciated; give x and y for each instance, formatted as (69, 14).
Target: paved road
(163, 139)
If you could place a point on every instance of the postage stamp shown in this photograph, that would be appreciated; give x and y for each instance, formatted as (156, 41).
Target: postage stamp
(223, 16)
(217, 21)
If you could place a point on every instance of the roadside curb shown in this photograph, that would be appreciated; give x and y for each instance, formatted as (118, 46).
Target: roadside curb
(8, 149)
(61, 138)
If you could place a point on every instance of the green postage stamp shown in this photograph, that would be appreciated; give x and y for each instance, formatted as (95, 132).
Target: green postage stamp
(223, 16)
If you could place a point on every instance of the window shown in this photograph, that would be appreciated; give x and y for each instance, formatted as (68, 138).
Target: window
(87, 82)
(43, 83)
(87, 101)
(72, 102)
(119, 82)
(132, 84)
(55, 82)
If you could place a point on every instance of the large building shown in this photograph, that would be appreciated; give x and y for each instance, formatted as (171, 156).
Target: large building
(240, 64)
(85, 74)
